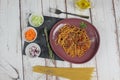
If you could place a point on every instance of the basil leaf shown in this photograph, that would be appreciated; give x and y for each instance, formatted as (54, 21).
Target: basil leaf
(83, 25)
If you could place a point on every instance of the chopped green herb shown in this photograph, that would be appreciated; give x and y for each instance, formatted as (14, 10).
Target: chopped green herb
(36, 20)
(83, 25)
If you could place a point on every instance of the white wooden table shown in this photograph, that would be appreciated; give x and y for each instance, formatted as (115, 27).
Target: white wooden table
(105, 15)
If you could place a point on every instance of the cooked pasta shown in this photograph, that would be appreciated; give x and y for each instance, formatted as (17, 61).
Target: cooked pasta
(73, 40)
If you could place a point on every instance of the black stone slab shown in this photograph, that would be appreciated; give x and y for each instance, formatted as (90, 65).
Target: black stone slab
(49, 22)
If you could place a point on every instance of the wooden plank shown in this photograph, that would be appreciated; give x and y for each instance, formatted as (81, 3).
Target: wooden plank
(53, 4)
(10, 35)
(116, 8)
(3, 76)
(28, 64)
(27, 7)
(61, 5)
(71, 9)
(46, 5)
(108, 54)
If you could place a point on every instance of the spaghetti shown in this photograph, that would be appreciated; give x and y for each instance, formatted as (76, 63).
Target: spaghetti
(73, 40)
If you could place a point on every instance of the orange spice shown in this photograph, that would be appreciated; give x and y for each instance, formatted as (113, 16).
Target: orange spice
(30, 35)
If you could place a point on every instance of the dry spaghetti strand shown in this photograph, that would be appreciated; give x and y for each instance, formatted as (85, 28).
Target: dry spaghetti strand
(74, 40)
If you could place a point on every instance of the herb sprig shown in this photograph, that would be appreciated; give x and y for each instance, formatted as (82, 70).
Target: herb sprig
(48, 45)
(83, 25)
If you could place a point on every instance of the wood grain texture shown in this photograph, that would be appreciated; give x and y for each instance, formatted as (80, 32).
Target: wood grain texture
(104, 14)
(27, 7)
(61, 5)
(107, 57)
(48, 62)
(116, 9)
(71, 9)
(10, 35)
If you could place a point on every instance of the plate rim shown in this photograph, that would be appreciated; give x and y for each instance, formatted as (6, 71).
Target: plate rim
(59, 22)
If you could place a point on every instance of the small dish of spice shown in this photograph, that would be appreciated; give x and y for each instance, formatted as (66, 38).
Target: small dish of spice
(36, 20)
(29, 34)
(33, 50)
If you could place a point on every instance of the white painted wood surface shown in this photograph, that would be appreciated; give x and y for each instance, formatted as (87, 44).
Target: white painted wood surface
(10, 35)
(105, 15)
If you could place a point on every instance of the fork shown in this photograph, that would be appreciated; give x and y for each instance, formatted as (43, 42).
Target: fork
(57, 11)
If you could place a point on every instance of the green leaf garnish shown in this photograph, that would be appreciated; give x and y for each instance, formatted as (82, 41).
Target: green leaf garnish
(83, 25)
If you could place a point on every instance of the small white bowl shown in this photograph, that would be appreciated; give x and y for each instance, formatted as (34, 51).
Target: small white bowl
(25, 30)
(32, 50)
(30, 19)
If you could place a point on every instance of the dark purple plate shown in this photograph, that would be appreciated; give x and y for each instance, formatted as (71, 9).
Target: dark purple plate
(91, 32)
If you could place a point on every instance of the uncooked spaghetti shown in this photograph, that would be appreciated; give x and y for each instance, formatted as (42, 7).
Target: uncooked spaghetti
(73, 40)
